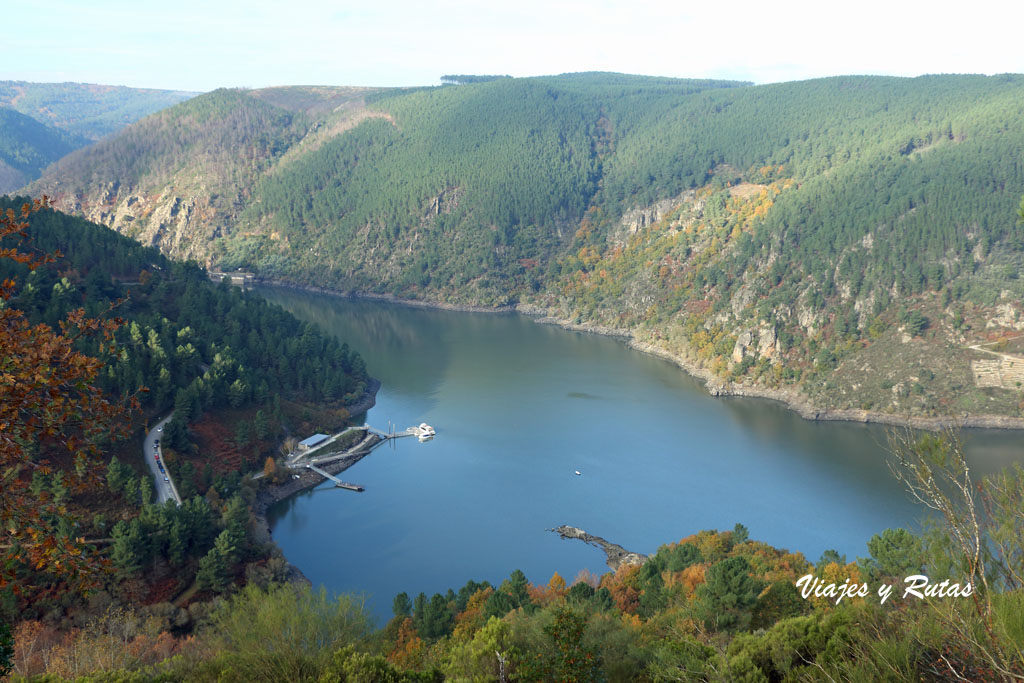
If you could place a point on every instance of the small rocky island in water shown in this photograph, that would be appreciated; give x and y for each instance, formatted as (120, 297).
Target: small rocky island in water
(616, 554)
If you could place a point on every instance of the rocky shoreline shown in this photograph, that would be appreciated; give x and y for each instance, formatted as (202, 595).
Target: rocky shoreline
(715, 386)
(793, 400)
(368, 399)
(307, 479)
(616, 556)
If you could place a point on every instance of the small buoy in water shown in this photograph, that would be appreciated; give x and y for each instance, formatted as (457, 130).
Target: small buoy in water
(577, 473)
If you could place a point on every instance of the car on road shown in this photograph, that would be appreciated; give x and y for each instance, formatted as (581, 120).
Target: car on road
(166, 479)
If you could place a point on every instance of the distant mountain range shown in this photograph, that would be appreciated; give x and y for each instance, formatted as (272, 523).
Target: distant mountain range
(838, 243)
(42, 122)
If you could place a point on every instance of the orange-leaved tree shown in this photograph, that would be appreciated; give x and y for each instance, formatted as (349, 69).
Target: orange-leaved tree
(53, 417)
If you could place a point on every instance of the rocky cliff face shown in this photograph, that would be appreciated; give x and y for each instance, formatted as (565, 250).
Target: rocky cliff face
(181, 227)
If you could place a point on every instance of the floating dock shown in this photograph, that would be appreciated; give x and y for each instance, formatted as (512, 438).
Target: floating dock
(424, 431)
(295, 460)
(337, 482)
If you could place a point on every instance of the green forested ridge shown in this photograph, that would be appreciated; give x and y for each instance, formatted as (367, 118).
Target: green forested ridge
(241, 375)
(42, 122)
(770, 234)
(27, 147)
(491, 174)
(85, 110)
(462, 79)
(197, 347)
(226, 131)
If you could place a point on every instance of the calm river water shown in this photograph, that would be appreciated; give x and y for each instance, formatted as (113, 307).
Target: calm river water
(518, 407)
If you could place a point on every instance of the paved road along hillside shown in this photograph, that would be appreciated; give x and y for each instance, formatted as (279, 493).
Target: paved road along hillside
(163, 485)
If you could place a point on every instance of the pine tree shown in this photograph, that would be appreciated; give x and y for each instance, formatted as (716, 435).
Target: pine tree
(177, 546)
(199, 521)
(131, 490)
(242, 434)
(237, 393)
(728, 594)
(146, 490)
(213, 568)
(401, 606)
(115, 476)
(6, 649)
(260, 427)
(236, 526)
(124, 554)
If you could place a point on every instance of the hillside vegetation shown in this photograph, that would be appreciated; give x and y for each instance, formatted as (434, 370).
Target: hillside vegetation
(27, 147)
(86, 110)
(838, 242)
(714, 606)
(241, 375)
(42, 122)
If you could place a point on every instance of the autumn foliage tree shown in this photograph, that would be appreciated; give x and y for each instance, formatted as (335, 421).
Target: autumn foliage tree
(566, 657)
(53, 417)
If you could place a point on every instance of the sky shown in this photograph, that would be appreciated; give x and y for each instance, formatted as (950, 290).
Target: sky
(201, 45)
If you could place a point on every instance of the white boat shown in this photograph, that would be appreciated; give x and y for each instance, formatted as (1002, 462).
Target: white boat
(425, 432)
(577, 473)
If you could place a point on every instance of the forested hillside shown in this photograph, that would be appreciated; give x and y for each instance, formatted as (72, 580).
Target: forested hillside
(27, 147)
(86, 110)
(840, 242)
(42, 122)
(241, 375)
(196, 346)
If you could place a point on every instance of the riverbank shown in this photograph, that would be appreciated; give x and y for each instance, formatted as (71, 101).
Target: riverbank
(792, 399)
(298, 481)
(388, 298)
(303, 480)
(367, 400)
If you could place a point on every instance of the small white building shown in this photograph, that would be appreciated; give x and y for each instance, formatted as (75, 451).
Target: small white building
(312, 442)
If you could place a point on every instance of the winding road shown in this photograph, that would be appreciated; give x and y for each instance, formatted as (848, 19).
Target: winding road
(164, 487)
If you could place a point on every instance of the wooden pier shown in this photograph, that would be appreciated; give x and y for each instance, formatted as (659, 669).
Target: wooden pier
(411, 431)
(337, 482)
(298, 459)
(362, 445)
